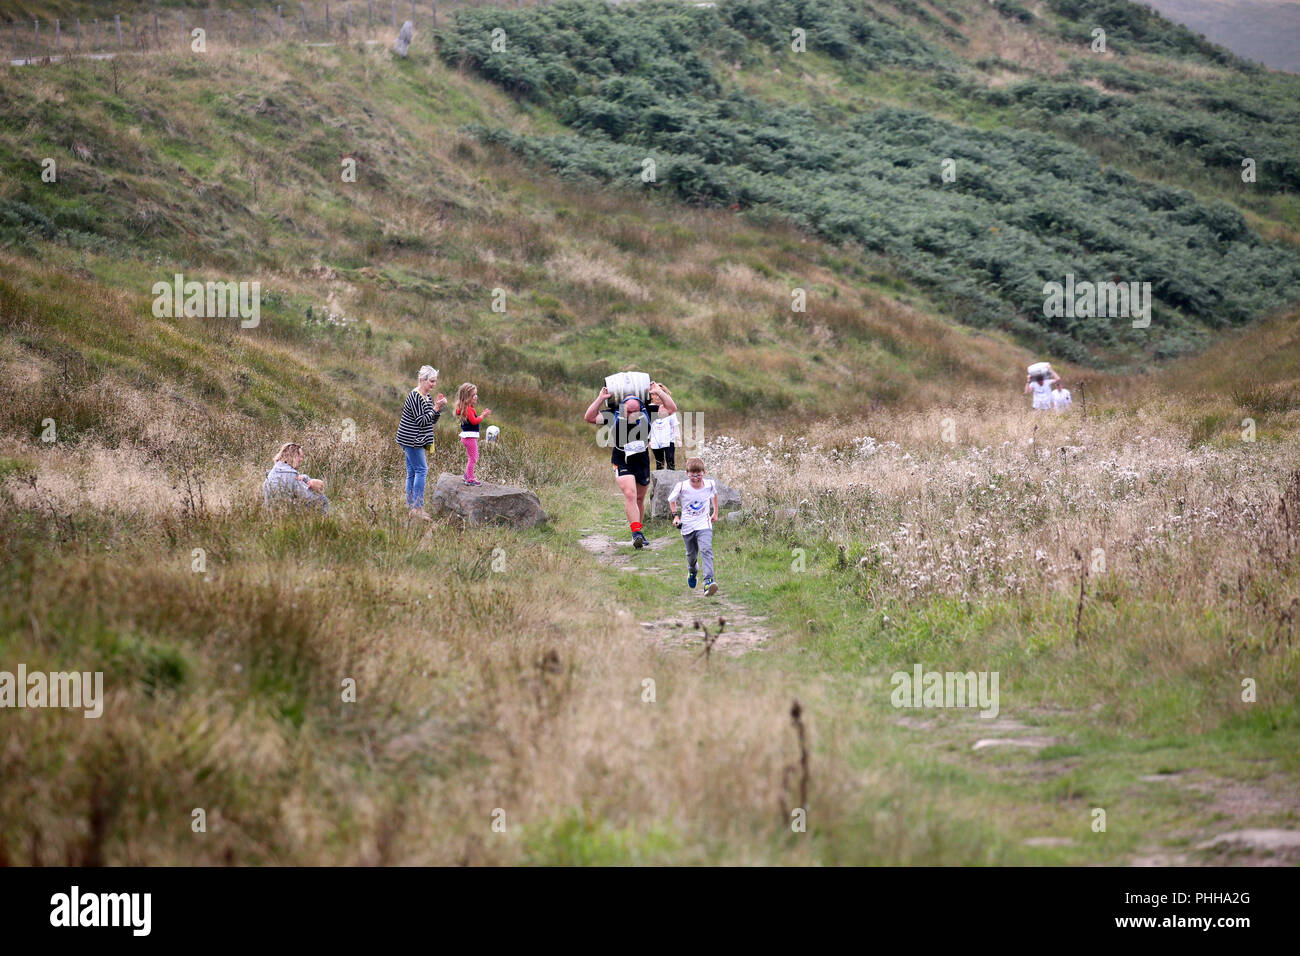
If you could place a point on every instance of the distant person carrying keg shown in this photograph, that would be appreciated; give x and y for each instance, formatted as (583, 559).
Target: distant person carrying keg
(629, 403)
(1037, 384)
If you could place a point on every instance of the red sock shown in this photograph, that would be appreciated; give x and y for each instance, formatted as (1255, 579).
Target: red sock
(636, 526)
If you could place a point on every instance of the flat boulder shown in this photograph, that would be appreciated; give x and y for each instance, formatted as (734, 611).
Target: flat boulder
(487, 503)
(661, 486)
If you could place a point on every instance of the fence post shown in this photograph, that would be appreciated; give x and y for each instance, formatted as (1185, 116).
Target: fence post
(434, 4)
(348, 5)
(412, 12)
(36, 38)
(303, 10)
(58, 36)
(327, 19)
(157, 40)
(279, 21)
(97, 33)
(230, 32)
(181, 16)
(78, 33)
(135, 29)
(370, 13)
(207, 23)
(117, 21)
(394, 14)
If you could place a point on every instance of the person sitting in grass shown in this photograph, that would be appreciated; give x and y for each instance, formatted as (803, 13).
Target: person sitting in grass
(698, 497)
(285, 484)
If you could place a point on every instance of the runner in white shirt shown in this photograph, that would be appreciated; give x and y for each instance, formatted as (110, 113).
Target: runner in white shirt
(1041, 389)
(698, 497)
(665, 435)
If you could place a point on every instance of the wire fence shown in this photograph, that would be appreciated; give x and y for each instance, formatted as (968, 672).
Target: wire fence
(321, 21)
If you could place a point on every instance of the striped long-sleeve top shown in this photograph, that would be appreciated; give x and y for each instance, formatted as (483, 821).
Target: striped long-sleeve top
(415, 430)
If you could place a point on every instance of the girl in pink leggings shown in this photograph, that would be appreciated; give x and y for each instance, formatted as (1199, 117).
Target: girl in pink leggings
(466, 396)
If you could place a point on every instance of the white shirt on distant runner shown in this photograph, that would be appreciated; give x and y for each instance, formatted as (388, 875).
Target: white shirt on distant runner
(696, 504)
(1061, 399)
(1042, 395)
(665, 431)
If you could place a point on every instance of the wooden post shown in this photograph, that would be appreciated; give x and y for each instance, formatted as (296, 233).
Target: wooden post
(157, 39)
(394, 14)
(36, 38)
(96, 33)
(207, 24)
(370, 13)
(78, 33)
(15, 26)
(327, 18)
(135, 29)
(181, 16)
(279, 21)
(58, 36)
(348, 6)
(303, 11)
(230, 31)
(412, 12)
(434, 4)
(1083, 396)
(117, 21)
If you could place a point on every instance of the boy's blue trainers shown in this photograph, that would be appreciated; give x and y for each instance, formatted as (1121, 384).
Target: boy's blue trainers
(638, 540)
(710, 588)
(690, 581)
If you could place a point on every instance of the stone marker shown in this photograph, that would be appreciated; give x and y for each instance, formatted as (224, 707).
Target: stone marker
(486, 503)
(404, 36)
(661, 485)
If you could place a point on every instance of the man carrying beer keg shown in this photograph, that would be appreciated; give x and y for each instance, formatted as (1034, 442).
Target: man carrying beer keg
(629, 432)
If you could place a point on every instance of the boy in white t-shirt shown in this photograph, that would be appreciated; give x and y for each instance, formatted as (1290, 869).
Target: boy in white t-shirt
(1060, 398)
(694, 505)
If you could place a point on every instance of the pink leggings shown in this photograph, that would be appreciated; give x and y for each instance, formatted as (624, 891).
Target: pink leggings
(471, 449)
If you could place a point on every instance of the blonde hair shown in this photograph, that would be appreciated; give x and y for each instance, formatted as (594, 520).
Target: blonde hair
(288, 448)
(465, 397)
(427, 374)
(694, 464)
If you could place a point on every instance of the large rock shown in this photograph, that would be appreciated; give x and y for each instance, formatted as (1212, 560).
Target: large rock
(661, 486)
(404, 37)
(486, 503)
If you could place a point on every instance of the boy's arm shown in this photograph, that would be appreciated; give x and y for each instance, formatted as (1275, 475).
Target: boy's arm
(715, 508)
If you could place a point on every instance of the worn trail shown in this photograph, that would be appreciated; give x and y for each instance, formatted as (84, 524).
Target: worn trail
(676, 624)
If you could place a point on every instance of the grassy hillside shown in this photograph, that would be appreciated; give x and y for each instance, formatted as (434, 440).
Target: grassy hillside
(1016, 210)
(901, 506)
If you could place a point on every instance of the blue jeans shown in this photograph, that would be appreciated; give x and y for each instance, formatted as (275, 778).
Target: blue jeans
(417, 467)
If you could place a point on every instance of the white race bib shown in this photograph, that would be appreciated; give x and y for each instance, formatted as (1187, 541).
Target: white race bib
(634, 448)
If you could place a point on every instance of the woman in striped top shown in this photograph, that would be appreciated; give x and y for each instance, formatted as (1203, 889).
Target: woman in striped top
(415, 435)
